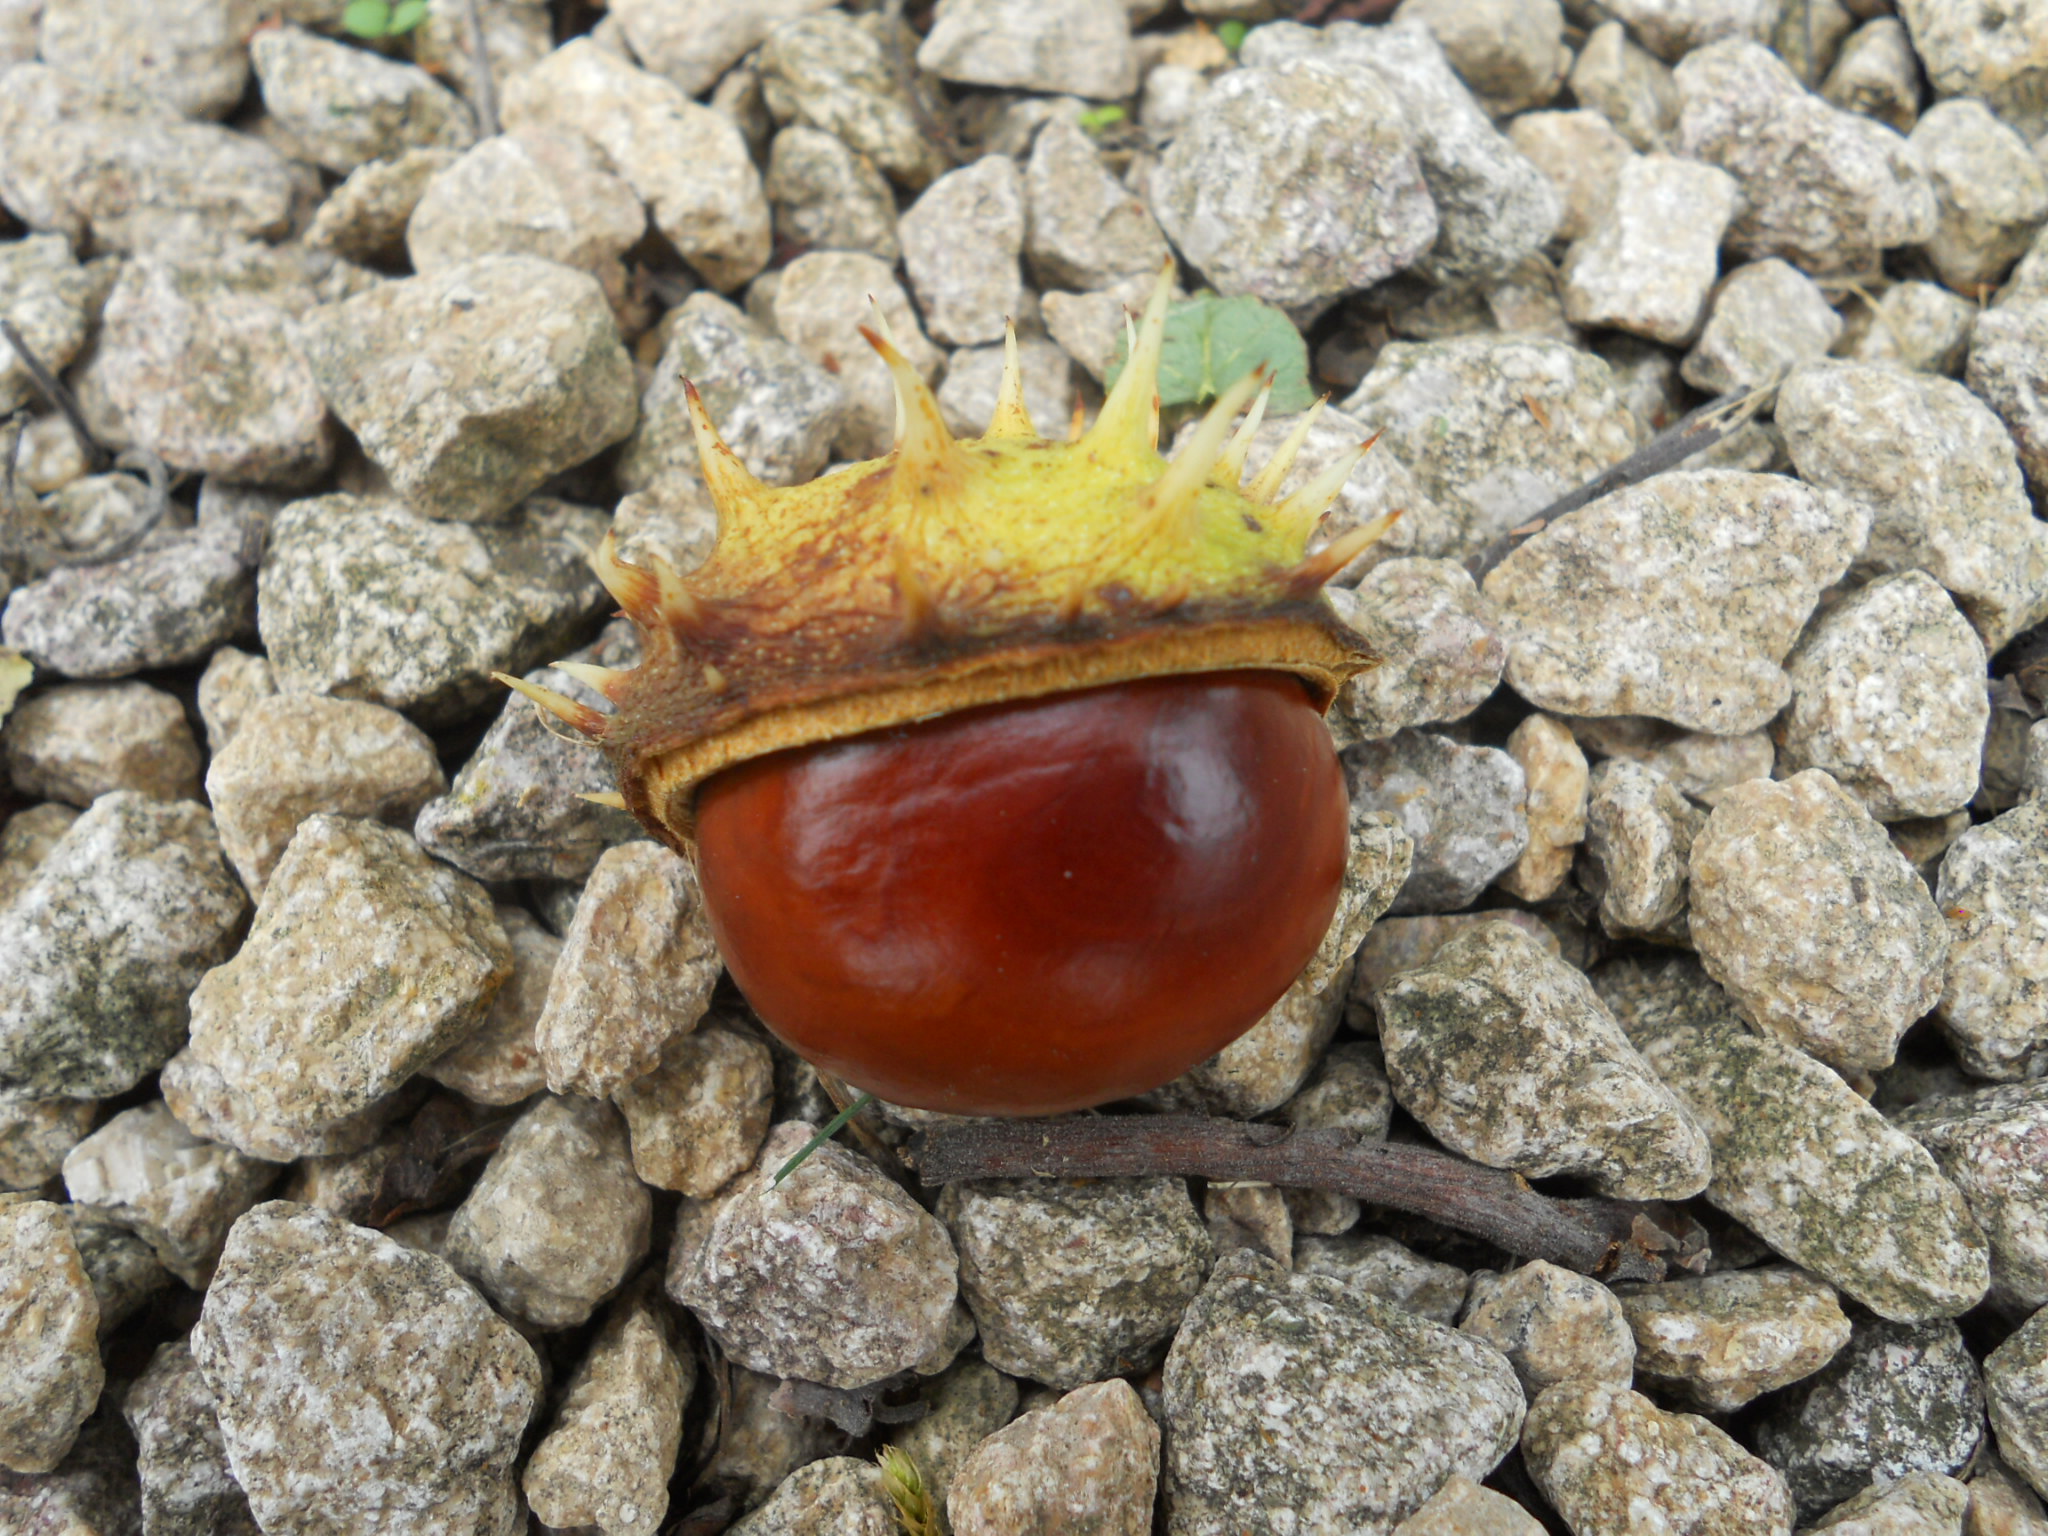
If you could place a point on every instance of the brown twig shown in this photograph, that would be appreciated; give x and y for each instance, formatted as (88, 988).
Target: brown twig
(1610, 1239)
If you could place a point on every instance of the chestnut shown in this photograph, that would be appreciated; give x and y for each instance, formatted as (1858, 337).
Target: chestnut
(1001, 759)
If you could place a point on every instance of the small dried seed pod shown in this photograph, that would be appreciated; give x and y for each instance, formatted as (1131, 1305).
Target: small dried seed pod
(1000, 757)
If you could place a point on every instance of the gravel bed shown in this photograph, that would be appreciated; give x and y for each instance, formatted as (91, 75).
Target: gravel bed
(383, 1148)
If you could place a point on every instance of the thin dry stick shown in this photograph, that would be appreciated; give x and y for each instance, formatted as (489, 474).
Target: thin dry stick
(1611, 1239)
(1696, 430)
(486, 89)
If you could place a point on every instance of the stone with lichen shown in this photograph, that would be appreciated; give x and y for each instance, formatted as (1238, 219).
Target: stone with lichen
(1510, 1058)
(1070, 1282)
(835, 1275)
(1868, 1211)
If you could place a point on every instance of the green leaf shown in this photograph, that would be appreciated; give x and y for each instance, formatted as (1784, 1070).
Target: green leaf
(1213, 342)
(366, 18)
(1231, 34)
(1097, 119)
(406, 15)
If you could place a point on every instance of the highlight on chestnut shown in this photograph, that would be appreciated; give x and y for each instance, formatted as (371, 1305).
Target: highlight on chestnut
(1000, 759)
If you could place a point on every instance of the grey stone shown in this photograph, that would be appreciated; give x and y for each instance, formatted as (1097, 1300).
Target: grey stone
(1993, 893)
(1070, 47)
(2016, 1389)
(1462, 807)
(473, 384)
(1582, 154)
(699, 1118)
(1266, 1362)
(35, 1134)
(192, 56)
(1941, 476)
(1767, 317)
(1442, 647)
(1723, 1340)
(1825, 189)
(497, 1063)
(759, 1445)
(195, 354)
(1992, 192)
(1678, 597)
(49, 1355)
(1557, 786)
(1627, 85)
(969, 1402)
(1511, 53)
(607, 1458)
(840, 1494)
(1390, 1271)
(1456, 414)
(1086, 230)
(835, 1275)
(188, 1488)
(1899, 1398)
(1866, 1208)
(1295, 183)
(1820, 930)
(2000, 1503)
(2005, 349)
(1647, 265)
(232, 682)
(961, 241)
(1493, 206)
(514, 810)
(365, 962)
(346, 105)
(1887, 697)
(100, 954)
(1921, 326)
(131, 176)
(364, 218)
(773, 406)
(1918, 1502)
(1071, 1281)
(1250, 1216)
(360, 598)
(1639, 839)
(828, 196)
(1609, 1459)
(1671, 29)
(304, 754)
(835, 73)
(974, 376)
(361, 1386)
(1088, 1462)
(1553, 1325)
(144, 1171)
(1263, 1067)
(1090, 326)
(180, 594)
(533, 193)
(44, 295)
(693, 42)
(1985, 1141)
(688, 164)
(1876, 74)
(1462, 1508)
(79, 741)
(557, 1221)
(636, 971)
(1969, 53)
(1511, 1059)
(821, 305)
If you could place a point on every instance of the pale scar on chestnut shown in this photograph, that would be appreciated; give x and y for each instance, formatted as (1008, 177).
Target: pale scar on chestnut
(885, 609)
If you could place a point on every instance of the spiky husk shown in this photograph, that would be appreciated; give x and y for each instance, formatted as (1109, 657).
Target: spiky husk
(954, 573)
